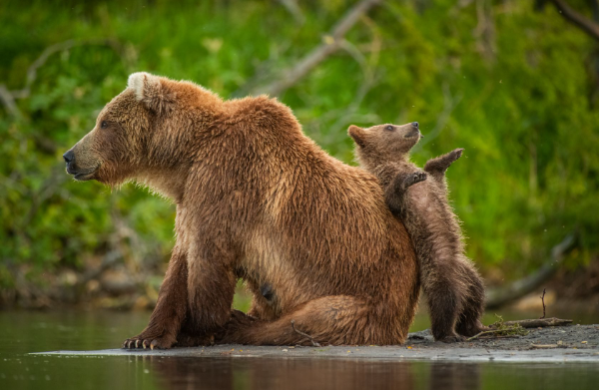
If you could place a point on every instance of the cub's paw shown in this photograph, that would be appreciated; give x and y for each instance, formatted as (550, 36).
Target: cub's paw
(453, 339)
(471, 329)
(148, 342)
(456, 154)
(414, 178)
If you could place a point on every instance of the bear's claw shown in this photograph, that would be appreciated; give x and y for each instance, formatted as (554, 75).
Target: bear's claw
(144, 344)
(163, 343)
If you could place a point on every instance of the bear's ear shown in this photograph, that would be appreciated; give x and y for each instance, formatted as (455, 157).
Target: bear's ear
(358, 134)
(150, 90)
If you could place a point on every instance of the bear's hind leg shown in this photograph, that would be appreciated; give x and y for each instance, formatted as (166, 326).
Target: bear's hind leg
(335, 320)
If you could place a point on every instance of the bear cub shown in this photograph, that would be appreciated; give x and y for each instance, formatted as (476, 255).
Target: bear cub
(453, 287)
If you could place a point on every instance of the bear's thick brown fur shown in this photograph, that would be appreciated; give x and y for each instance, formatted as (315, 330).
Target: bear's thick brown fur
(453, 288)
(256, 199)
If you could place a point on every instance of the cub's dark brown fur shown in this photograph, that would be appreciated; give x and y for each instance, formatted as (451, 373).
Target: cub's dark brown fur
(451, 283)
(258, 200)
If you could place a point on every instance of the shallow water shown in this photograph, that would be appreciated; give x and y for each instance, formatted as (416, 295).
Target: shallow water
(26, 332)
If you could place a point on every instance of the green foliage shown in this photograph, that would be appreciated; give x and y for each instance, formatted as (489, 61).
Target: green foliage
(517, 96)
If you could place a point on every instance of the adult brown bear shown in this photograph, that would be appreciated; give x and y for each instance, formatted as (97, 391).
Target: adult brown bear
(255, 199)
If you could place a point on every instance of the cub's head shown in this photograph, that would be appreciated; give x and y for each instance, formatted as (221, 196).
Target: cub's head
(137, 132)
(384, 143)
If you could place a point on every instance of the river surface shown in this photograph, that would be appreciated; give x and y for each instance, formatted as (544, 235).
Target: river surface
(23, 332)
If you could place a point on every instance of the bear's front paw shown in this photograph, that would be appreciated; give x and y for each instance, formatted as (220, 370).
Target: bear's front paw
(148, 341)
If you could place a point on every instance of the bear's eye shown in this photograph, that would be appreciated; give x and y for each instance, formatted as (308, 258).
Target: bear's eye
(104, 125)
(389, 128)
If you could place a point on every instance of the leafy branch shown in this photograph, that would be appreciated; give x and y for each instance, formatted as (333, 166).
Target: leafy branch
(571, 15)
(332, 42)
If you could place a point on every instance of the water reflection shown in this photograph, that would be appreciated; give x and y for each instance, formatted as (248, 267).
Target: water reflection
(446, 375)
(300, 373)
(24, 332)
(281, 373)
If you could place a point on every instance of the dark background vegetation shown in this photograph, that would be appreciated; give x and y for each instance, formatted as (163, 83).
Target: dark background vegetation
(514, 82)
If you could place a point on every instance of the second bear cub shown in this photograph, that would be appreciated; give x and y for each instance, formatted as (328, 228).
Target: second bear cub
(454, 290)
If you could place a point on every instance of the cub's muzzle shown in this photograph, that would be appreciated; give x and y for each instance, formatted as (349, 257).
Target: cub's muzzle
(415, 131)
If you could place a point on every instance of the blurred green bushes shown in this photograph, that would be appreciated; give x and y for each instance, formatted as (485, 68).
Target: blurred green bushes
(513, 87)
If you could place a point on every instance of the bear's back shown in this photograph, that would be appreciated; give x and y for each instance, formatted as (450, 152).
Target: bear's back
(319, 208)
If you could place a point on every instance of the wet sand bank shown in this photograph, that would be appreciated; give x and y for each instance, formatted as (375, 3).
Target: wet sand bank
(575, 343)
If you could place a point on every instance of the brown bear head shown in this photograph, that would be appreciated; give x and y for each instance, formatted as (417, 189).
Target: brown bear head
(138, 135)
(384, 143)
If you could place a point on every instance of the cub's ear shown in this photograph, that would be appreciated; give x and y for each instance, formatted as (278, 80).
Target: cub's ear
(358, 134)
(151, 91)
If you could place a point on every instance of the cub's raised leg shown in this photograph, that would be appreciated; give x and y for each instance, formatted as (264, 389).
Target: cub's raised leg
(437, 167)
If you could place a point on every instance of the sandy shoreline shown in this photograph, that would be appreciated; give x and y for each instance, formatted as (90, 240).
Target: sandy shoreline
(576, 343)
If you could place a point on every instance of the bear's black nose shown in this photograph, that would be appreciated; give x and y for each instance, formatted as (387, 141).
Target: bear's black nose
(415, 124)
(69, 156)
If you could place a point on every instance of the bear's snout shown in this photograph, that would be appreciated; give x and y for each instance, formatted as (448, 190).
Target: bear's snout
(69, 158)
(81, 172)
